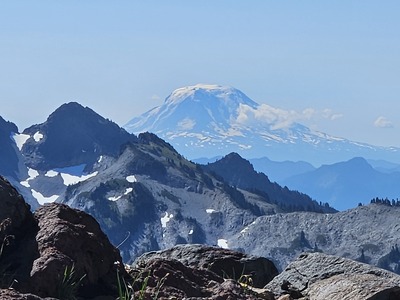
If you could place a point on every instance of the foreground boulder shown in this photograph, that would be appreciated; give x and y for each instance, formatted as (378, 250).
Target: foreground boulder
(321, 276)
(203, 272)
(71, 238)
(57, 252)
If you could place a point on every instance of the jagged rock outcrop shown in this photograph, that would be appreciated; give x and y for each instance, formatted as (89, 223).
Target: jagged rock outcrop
(223, 262)
(321, 276)
(36, 250)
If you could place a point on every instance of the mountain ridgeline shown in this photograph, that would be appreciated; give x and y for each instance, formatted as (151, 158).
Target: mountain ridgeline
(139, 188)
(239, 173)
(147, 196)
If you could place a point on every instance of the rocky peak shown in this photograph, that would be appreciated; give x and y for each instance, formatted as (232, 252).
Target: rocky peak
(72, 135)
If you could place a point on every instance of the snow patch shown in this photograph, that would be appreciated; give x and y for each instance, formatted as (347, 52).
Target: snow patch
(223, 243)
(73, 179)
(51, 173)
(42, 199)
(32, 175)
(191, 232)
(131, 179)
(20, 139)
(127, 191)
(210, 210)
(37, 136)
(166, 219)
(100, 159)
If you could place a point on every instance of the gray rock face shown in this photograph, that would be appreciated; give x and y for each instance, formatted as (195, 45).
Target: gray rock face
(365, 233)
(223, 262)
(321, 276)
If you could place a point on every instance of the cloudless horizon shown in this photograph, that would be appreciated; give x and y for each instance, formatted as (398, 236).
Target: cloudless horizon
(335, 64)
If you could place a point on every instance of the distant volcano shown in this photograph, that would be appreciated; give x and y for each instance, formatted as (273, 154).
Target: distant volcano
(211, 120)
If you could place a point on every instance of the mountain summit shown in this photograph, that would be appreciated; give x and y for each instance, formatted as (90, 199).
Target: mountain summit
(210, 120)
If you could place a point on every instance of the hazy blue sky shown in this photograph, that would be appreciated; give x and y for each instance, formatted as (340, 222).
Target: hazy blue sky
(341, 59)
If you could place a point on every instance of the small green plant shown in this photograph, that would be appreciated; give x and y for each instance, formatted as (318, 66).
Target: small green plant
(126, 291)
(69, 285)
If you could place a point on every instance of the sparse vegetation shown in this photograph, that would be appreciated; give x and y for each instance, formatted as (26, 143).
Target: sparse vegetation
(69, 284)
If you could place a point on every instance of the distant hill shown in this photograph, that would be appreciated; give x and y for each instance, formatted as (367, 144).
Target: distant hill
(278, 171)
(240, 173)
(346, 184)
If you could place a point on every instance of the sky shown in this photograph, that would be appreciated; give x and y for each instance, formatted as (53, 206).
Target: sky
(335, 65)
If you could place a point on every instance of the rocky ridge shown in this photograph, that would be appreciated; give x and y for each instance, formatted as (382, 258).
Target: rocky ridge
(38, 250)
(366, 233)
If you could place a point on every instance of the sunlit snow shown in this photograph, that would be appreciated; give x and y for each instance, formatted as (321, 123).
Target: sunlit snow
(20, 139)
(42, 199)
(210, 210)
(37, 136)
(191, 232)
(223, 243)
(131, 179)
(165, 219)
(51, 173)
(100, 159)
(115, 198)
(32, 175)
(73, 179)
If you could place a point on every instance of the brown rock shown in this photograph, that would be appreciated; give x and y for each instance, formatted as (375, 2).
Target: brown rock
(10, 294)
(225, 263)
(17, 231)
(71, 238)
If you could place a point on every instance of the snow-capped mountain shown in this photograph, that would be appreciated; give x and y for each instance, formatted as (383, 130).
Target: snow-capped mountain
(147, 196)
(210, 120)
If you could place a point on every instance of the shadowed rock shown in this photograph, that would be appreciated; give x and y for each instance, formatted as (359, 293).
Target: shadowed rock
(36, 250)
(225, 263)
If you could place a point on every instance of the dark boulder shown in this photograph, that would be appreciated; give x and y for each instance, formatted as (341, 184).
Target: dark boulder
(57, 250)
(10, 294)
(171, 279)
(17, 236)
(71, 238)
(223, 262)
(321, 276)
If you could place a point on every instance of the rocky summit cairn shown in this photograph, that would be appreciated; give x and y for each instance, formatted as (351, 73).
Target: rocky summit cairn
(321, 276)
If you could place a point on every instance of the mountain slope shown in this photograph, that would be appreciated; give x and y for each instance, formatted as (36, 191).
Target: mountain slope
(346, 184)
(152, 198)
(366, 233)
(240, 173)
(211, 120)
